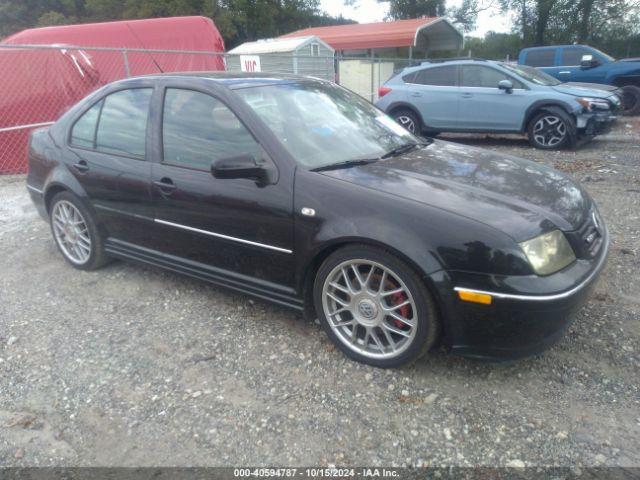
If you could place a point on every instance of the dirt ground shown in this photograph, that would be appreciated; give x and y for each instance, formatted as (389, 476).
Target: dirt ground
(135, 366)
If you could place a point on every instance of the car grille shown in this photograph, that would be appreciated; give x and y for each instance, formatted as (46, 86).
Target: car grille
(587, 240)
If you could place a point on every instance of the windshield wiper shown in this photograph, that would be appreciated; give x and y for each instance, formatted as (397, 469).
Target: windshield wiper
(407, 147)
(345, 164)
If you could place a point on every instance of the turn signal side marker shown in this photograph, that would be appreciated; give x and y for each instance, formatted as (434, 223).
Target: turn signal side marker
(474, 297)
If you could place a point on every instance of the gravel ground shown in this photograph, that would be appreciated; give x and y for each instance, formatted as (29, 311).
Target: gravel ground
(134, 366)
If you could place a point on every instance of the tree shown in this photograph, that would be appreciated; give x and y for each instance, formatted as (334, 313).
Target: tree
(400, 9)
(237, 20)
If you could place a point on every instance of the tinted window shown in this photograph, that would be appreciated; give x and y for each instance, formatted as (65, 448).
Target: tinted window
(123, 123)
(540, 58)
(438, 76)
(573, 56)
(479, 76)
(198, 129)
(83, 132)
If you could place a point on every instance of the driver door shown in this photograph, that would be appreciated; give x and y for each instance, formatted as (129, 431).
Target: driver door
(235, 225)
(485, 107)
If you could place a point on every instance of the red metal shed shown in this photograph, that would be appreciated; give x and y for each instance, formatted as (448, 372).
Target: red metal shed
(39, 84)
(427, 33)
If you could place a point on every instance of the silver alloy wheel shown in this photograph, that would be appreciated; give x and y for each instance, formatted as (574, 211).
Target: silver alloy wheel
(407, 123)
(71, 232)
(549, 131)
(369, 308)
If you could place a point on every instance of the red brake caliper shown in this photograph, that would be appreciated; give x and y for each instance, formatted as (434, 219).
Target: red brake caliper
(397, 299)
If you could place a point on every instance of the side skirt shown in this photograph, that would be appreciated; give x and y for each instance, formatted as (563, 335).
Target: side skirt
(262, 289)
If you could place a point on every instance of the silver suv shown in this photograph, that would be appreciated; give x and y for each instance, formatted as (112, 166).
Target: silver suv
(471, 95)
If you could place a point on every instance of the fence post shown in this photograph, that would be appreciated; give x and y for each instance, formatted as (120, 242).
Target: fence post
(372, 77)
(126, 63)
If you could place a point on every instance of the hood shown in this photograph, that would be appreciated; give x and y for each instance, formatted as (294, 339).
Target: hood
(585, 90)
(516, 196)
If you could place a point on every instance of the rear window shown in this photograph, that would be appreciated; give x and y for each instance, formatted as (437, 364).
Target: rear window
(438, 76)
(123, 122)
(540, 58)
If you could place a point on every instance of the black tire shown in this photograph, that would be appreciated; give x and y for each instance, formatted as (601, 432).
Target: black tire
(97, 256)
(408, 119)
(631, 100)
(553, 118)
(426, 319)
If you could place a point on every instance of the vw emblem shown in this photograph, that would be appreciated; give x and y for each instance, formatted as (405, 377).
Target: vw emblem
(367, 309)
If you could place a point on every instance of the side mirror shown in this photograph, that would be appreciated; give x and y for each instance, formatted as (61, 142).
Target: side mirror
(239, 166)
(506, 85)
(588, 61)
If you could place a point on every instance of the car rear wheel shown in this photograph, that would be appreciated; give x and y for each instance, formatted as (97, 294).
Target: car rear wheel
(374, 307)
(75, 232)
(631, 100)
(408, 119)
(550, 131)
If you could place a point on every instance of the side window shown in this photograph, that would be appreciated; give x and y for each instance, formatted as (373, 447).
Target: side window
(573, 56)
(83, 132)
(480, 76)
(198, 129)
(540, 58)
(438, 76)
(122, 126)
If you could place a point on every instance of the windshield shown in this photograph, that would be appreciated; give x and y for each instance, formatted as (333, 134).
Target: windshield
(322, 124)
(532, 74)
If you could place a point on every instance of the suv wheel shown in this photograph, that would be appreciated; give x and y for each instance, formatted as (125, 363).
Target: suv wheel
(631, 100)
(374, 307)
(408, 119)
(550, 131)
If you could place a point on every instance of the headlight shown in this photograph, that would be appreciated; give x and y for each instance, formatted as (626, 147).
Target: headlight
(548, 253)
(590, 104)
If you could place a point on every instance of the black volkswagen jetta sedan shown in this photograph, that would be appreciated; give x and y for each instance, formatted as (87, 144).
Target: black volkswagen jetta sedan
(299, 192)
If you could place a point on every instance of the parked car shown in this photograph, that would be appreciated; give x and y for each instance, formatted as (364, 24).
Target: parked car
(581, 63)
(297, 191)
(472, 95)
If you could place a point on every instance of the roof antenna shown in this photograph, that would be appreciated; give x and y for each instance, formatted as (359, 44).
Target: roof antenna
(143, 46)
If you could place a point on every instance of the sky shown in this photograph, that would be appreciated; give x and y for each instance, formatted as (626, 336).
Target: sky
(367, 11)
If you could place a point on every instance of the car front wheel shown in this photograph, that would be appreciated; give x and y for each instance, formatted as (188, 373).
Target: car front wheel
(75, 232)
(374, 307)
(408, 120)
(550, 131)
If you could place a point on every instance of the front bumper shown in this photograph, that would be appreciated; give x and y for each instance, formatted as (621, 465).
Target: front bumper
(527, 314)
(597, 123)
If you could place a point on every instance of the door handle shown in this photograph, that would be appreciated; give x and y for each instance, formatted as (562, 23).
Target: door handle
(416, 94)
(81, 166)
(467, 95)
(165, 185)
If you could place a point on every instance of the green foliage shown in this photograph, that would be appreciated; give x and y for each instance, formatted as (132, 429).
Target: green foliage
(399, 9)
(237, 20)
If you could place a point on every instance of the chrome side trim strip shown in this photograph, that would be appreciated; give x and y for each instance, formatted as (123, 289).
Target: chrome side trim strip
(547, 298)
(34, 189)
(225, 237)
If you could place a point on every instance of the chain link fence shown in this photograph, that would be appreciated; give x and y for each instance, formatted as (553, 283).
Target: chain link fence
(39, 83)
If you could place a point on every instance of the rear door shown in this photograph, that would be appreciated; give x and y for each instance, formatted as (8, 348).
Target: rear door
(109, 143)
(434, 92)
(546, 59)
(483, 106)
